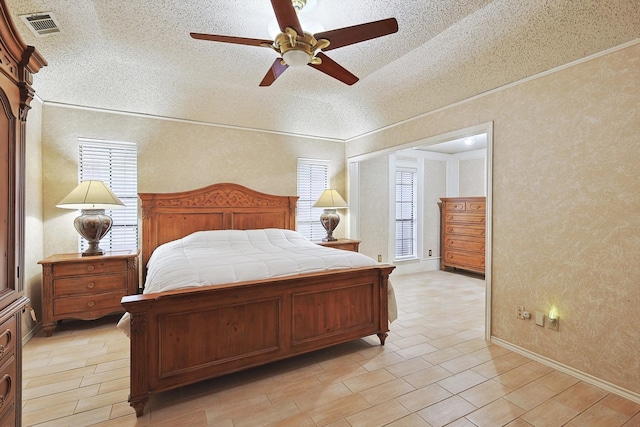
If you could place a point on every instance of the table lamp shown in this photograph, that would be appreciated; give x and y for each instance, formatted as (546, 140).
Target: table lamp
(92, 197)
(330, 200)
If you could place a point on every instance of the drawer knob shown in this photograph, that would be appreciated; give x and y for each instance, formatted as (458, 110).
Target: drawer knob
(91, 268)
(90, 303)
(90, 285)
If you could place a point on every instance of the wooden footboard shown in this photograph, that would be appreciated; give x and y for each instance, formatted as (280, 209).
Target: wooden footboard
(185, 336)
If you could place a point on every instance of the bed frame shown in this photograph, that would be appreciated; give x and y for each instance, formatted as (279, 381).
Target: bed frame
(185, 336)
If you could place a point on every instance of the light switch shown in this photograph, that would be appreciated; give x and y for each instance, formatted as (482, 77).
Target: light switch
(539, 318)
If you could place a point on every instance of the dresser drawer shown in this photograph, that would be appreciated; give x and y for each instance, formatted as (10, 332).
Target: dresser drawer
(476, 206)
(460, 206)
(91, 267)
(465, 260)
(8, 385)
(465, 206)
(470, 244)
(8, 339)
(465, 218)
(89, 284)
(88, 304)
(462, 230)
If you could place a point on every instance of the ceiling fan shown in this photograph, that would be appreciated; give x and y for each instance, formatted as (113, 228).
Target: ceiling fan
(298, 48)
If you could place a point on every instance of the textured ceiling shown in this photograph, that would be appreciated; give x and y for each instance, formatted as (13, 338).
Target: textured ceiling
(137, 56)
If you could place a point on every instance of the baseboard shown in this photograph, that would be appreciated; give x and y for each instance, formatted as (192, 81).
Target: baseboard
(32, 333)
(417, 266)
(583, 376)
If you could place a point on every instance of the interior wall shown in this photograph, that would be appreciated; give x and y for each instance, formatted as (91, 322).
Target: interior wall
(373, 211)
(33, 211)
(566, 179)
(435, 187)
(471, 177)
(172, 156)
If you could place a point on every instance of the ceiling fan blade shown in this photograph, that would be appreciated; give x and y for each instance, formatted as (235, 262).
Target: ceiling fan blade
(358, 33)
(333, 69)
(231, 39)
(286, 15)
(277, 68)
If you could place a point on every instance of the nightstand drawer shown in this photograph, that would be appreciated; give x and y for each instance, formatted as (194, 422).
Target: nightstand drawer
(89, 284)
(8, 339)
(89, 267)
(88, 304)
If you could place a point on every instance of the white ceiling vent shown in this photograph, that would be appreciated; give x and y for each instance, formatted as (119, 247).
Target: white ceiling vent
(42, 23)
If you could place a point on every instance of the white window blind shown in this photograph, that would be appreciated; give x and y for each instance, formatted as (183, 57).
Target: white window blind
(313, 179)
(406, 202)
(115, 164)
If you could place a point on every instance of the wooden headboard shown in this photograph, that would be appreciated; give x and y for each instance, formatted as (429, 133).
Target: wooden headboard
(171, 216)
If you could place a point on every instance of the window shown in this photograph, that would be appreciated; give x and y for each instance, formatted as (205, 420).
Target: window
(313, 179)
(406, 235)
(115, 164)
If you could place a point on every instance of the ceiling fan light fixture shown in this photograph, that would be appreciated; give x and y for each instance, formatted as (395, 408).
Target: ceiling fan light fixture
(296, 58)
(298, 5)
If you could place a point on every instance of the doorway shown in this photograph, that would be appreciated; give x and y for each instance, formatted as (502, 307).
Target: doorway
(371, 200)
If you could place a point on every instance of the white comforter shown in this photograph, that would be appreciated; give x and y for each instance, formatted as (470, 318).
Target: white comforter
(228, 256)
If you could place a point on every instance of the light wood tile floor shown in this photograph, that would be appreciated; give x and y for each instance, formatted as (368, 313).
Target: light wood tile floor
(436, 369)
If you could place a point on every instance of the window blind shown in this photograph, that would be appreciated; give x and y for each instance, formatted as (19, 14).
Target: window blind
(115, 164)
(406, 212)
(313, 179)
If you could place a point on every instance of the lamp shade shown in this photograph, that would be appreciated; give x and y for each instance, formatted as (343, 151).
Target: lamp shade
(91, 195)
(330, 199)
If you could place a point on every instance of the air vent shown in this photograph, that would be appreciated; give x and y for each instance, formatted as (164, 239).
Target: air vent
(41, 24)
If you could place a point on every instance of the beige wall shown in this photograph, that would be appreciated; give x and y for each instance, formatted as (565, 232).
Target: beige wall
(435, 187)
(172, 156)
(373, 211)
(33, 211)
(471, 177)
(566, 185)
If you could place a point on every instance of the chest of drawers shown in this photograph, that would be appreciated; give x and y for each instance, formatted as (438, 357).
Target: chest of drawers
(463, 233)
(77, 287)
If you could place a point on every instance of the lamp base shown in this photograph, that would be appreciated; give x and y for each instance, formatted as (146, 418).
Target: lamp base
(329, 220)
(93, 225)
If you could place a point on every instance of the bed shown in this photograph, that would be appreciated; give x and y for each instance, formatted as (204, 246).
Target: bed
(183, 336)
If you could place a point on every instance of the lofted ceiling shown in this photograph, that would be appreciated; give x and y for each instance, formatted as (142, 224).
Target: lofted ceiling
(137, 56)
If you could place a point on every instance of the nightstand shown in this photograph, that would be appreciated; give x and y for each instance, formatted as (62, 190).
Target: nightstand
(344, 244)
(86, 288)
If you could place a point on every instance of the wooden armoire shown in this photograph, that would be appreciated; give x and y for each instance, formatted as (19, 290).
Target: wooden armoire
(18, 62)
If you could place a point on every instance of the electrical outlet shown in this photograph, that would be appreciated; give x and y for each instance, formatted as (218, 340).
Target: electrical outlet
(553, 323)
(379, 258)
(520, 312)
